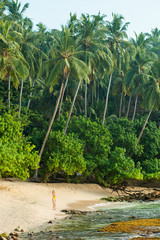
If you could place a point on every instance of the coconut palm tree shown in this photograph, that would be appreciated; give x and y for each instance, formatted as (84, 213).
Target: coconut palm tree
(117, 45)
(66, 59)
(28, 42)
(92, 35)
(12, 63)
(151, 93)
(3, 7)
(138, 74)
(15, 10)
(154, 41)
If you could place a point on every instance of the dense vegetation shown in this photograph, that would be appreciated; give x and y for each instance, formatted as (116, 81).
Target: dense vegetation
(80, 103)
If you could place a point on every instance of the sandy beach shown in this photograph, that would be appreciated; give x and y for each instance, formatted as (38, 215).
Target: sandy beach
(29, 204)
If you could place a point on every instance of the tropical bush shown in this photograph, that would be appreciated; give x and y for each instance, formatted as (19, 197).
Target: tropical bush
(97, 143)
(150, 139)
(121, 167)
(63, 154)
(124, 136)
(17, 155)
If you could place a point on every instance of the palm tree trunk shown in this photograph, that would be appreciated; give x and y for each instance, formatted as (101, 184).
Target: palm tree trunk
(106, 104)
(129, 103)
(145, 124)
(85, 99)
(98, 93)
(135, 107)
(9, 92)
(63, 91)
(71, 109)
(120, 108)
(49, 129)
(29, 101)
(20, 98)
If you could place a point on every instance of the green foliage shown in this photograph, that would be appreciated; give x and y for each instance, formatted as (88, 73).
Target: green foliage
(150, 139)
(63, 154)
(124, 136)
(151, 166)
(121, 167)
(87, 49)
(97, 142)
(17, 156)
(35, 128)
(152, 176)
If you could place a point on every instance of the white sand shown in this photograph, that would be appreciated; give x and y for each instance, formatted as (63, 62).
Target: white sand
(29, 204)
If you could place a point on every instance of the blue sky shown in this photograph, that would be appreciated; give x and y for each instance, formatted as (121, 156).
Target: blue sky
(143, 15)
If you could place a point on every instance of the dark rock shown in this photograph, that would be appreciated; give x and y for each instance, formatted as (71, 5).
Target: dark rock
(132, 217)
(78, 212)
(30, 234)
(50, 221)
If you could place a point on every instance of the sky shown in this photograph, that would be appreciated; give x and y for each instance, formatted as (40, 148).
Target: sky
(143, 15)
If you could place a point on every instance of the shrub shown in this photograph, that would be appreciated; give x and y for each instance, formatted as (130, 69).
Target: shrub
(121, 167)
(97, 142)
(124, 136)
(17, 156)
(63, 154)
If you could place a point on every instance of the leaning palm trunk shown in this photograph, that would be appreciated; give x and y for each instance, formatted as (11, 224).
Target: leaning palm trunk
(49, 129)
(63, 91)
(135, 107)
(71, 109)
(120, 108)
(20, 99)
(29, 101)
(145, 124)
(129, 103)
(106, 104)
(9, 92)
(85, 99)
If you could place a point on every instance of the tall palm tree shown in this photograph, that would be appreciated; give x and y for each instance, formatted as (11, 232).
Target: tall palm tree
(138, 74)
(154, 41)
(28, 42)
(12, 63)
(119, 86)
(15, 10)
(151, 93)
(117, 44)
(66, 59)
(92, 32)
(3, 7)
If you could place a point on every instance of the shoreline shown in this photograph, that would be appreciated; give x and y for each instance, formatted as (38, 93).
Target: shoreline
(29, 204)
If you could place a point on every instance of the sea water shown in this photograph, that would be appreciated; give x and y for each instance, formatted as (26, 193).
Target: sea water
(86, 226)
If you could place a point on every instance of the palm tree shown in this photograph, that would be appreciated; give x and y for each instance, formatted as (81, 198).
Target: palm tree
(3, 6)
(92, 32)
(15, 10)
(66, 59)
(151, 93)
(12, 63)
(119, 86)
(154, 41)
(117, 44)
(138, 74)
(82, 74)
(28, 42)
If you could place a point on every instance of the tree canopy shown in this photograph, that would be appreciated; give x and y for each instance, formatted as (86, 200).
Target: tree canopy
(80, 103)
